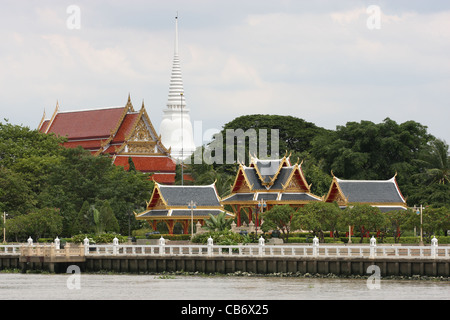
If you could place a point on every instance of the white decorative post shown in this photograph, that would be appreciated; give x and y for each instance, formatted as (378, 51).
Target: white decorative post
(86, 246)
(434, 245)
(57, 243)
(315, 247)
(373, 245)
(262, 243)
(210, 246)
(30, 241)
(115, 246)
(162, 243)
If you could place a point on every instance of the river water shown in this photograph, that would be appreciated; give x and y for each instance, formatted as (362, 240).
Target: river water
(15, 286)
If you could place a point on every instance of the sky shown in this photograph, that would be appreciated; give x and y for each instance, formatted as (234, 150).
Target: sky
(328, 62)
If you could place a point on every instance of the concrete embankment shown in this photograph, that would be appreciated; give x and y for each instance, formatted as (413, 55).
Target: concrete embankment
(231, 264)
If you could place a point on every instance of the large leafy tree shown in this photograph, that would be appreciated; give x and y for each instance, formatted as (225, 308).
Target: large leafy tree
(36, 172)
(295, 134)
(318, 217)
(364, 218)
(279, 217)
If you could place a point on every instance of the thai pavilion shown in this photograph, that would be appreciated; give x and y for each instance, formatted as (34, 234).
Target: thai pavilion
(119, 132)
(383, 194)
(173, 204)
(266, 183)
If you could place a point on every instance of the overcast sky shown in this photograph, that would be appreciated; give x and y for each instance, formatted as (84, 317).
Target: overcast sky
(328, 62)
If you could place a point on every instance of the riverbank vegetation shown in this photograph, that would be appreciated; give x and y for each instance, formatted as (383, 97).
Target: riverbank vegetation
(47, 190)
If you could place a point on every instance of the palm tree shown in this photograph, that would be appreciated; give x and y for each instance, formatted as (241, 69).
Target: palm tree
(437, 163)
(218, 223)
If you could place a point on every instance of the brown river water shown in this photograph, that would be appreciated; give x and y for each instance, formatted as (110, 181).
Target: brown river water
(15, 286)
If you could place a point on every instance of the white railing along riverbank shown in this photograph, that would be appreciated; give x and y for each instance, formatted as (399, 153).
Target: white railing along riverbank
(259, 250)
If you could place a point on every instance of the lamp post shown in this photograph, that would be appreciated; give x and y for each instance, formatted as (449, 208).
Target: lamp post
(261, 205)
(4, 227)
(192, 205)
(421, 224)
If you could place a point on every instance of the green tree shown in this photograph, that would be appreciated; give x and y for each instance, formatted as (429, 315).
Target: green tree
(435, 221)
(318, 217)
(436, 162)
(279, 217)
(364, 218)
(399, 221)
(218, 223)
(107, 218)
(38, 223)
(81, 223)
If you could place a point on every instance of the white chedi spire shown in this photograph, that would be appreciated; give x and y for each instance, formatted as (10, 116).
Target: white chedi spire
(176, 127)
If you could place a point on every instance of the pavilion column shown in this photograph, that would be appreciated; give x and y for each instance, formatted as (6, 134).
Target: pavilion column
(186, 224)
(238, 212)
(170, 224)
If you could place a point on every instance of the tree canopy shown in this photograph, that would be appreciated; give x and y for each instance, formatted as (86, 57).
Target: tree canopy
(37, 173)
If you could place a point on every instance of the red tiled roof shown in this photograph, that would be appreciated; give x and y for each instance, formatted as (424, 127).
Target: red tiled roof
(44, 126)
(86, 144)
(125, 127)
(164, 178)
(147, 164)
(86, 124)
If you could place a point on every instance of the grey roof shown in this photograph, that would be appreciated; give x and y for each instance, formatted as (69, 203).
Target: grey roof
(298, 197)
(239, 197)
(155, 213)
(181, 212)
(196, 212)
(182, 195)
(267, 196)
(254, 180)
(387, 209)
(268, 168)
(375, 191)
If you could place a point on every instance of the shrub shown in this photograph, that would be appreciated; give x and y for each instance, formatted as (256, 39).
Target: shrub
(100, 238)
(226, 237)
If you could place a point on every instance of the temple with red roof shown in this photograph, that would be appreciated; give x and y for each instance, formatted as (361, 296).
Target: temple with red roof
(119, 132)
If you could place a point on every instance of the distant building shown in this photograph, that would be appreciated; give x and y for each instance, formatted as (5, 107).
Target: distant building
(176, 127)
(119, 132)
(383, 194)
(276, 182)
(169, 204)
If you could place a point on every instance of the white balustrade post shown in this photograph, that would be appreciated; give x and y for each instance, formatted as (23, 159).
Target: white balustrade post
(162, 243)
(210, 246)
(315, 247)
(262, 243)
(86, 246)
(57, 244)
(434, 245)
(115, 246)
(373, 245)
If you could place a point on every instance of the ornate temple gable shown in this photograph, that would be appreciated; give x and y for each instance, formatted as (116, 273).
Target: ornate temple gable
(156, 200)
(335, 193)
(142, 138)
(241, 183)
(296, 181)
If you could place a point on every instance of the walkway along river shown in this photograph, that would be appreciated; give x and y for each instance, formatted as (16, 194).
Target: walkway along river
(431, 260)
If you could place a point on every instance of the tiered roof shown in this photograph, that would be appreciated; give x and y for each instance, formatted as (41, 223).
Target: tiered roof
(120, 132)
(384, 194)
(171, 202)
(275, 181)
